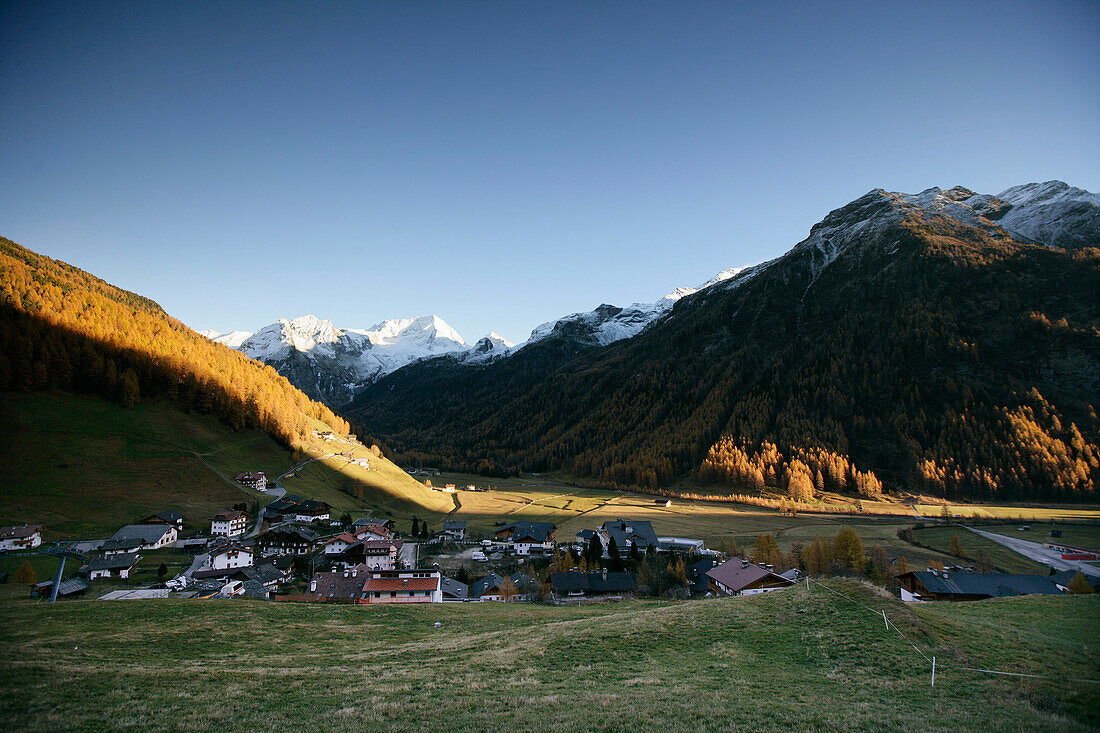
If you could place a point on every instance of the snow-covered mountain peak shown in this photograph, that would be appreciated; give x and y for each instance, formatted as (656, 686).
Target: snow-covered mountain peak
(608, 323)
(421, 328)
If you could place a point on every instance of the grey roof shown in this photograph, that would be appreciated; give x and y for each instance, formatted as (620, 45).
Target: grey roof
(534, 531)
(169, 516)
(453, 588)
(113, 562)
(67, 587)
(146, 534)
(573, 582)
(454, 524)
(266, 573)
(19, 531)
(135, 594)
(640, 534)
(129, 543)
(312, 505)
(489, 582)
(586, 534)
(986, 585)
(1066, 576)
(524, 583)
(281, 506)
(341, 584)
(288, 530)
(697, 574)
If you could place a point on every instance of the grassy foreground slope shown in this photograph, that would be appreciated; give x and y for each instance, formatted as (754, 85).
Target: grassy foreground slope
(84, 466)
(784, 661)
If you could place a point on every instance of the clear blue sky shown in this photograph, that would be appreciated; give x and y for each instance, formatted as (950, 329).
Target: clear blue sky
(503, 164)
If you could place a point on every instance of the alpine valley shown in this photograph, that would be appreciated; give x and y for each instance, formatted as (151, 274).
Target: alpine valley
(946, 342)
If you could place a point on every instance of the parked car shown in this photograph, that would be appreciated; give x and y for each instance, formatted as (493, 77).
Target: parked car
(479, 556)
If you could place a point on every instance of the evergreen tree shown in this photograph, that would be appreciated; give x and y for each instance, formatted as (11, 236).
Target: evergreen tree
(615, 561)
(594, 551)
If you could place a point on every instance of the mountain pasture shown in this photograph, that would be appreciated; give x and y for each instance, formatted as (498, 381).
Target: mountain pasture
(797, 659)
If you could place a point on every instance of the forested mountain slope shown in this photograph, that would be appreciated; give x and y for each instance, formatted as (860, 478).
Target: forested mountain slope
(64, 329)
(910, 340)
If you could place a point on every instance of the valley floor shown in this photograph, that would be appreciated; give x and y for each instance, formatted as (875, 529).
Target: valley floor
(792, 660)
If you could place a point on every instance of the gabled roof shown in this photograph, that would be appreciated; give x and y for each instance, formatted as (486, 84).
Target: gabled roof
(454, 588)
(281, 505)
(266, 573)
(529, 531)
(367, 521)
(289, 531)
(586, 534)
(229, 516)
(988, 585)
(19, 532)
(524, 583)
(454, 524)
(312, 505)
(697, 574)
(574, 582)
(113, 562)
(1065, 577)
(397, 584)
(378, 529)
(137, 535)
(737, 574)
(167, 516)
(490, 582)
(341, 584)
(67, 587)
(639, 533)
(231, 547)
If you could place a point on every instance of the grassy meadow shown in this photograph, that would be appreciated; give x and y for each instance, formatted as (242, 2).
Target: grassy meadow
(572, 508)
(792, 660)
(84, 466)
(1002, 558)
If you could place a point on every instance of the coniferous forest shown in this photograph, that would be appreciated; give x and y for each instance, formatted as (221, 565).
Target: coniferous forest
(935, 357)
(62, 328)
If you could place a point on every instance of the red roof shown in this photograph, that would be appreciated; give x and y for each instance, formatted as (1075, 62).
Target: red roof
(384, 584)
(229, 516)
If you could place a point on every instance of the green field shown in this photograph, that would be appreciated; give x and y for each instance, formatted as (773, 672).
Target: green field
(1086, 536)
(793, 660)
(572, 508)
(1002, 558)
(83, 467)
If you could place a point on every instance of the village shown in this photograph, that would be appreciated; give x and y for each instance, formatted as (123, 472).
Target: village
(295, 549)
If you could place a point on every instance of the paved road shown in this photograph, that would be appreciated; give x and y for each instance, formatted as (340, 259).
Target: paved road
(1038, 552)
(276, 491)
